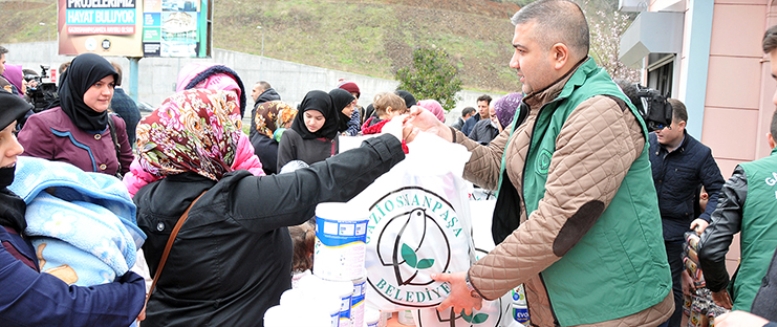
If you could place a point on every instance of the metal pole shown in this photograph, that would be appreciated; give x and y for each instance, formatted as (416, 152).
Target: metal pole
(261, 55)
(133, 82)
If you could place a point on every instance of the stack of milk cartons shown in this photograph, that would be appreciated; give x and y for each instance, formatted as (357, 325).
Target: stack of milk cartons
(335, 292)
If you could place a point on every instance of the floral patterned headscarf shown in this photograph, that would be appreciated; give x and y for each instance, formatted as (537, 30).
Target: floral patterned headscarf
(273, 115)
(195, 130)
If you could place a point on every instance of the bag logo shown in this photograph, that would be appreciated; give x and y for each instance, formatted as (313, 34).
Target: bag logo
(407, 227)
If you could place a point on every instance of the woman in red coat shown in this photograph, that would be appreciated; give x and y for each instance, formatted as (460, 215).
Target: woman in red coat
(77, 131)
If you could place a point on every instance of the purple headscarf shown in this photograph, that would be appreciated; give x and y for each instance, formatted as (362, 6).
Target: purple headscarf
(15, 76)
(505, 108)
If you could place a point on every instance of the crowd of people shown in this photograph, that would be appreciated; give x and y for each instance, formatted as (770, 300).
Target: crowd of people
(592, 215)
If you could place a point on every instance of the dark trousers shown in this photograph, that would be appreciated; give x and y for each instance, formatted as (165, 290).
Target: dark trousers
(674, 252)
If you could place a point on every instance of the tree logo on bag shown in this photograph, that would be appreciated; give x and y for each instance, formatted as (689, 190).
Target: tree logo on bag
(451, 319)
(412, 243)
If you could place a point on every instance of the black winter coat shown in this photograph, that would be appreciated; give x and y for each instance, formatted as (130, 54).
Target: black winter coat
(676, 176)
(766, 299)
(267, 150)
(232, 258)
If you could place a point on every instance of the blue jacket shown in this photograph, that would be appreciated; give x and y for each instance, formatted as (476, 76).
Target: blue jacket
(470, 124)
(676, 176)
(127, 109)
(29, 298)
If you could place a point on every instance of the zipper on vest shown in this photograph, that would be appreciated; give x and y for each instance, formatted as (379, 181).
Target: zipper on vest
(550, 302)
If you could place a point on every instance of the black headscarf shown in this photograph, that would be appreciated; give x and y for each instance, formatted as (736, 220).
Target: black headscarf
(407, 96)
(320, 101)
(85, 70)
(12, 207)
(341, 99)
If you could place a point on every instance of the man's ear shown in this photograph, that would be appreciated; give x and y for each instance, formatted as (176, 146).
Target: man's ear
(770, 137)
(559, 53)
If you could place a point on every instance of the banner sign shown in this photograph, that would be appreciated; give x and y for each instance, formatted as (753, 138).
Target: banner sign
(105, 27)
(135, 28)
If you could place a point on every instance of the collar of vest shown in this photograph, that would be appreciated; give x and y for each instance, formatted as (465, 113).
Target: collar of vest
(558, 89)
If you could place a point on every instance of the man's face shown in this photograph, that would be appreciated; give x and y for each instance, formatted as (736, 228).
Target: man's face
(773, 62)
(2, 63)
(531, 60)
(256, 92)
(483, 109)
(672, 134)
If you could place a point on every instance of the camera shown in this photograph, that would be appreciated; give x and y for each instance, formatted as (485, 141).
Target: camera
(656, 111)
(43, 95)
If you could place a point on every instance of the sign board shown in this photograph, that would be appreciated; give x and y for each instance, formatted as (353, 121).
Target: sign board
(177, 28)
(105, 27)
(136, 28)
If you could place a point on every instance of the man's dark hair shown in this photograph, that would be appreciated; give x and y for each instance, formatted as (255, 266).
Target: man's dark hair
(485, 97)
(470, 110)
(557, 21)
(773, 128)
(266, 86)
(3, 50)
(770, 39)
(679, 113)
(63, 67)
(117, 68)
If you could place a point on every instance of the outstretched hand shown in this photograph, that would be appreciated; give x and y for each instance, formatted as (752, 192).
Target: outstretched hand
(423, 120)
(460, 298)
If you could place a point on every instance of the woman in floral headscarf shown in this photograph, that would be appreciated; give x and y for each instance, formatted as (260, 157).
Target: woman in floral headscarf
(205, 76)
(271, 119)
(232, 258)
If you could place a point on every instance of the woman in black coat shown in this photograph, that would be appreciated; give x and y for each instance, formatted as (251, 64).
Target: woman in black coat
(231, 260)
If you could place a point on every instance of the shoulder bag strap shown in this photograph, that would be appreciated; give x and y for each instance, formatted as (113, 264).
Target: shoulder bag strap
(169, 245)
(115, 140)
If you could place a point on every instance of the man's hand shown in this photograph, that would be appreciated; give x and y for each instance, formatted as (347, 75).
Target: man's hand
(687, 283)
(699, 225)
(739, 318)
(722, 299)
(461, 298)
(425, 121)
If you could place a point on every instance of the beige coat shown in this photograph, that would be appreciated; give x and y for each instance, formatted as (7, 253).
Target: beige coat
(582, 169)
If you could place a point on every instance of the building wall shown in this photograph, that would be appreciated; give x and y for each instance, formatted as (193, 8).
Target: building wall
(735, 117)
(738, 88)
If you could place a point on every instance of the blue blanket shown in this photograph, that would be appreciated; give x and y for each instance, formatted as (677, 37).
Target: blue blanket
(81, 224)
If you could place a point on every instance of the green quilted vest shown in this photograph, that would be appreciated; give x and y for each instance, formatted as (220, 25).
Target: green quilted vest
(619, 267)
(759, 229)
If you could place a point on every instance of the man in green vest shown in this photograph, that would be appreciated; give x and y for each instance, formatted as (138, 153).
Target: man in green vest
(576, 218)
(747, 203)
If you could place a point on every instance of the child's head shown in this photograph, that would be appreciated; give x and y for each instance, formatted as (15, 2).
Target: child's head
(388, 105)
(303, 238)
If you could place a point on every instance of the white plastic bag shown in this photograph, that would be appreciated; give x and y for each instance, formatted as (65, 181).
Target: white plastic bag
(419, 224)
